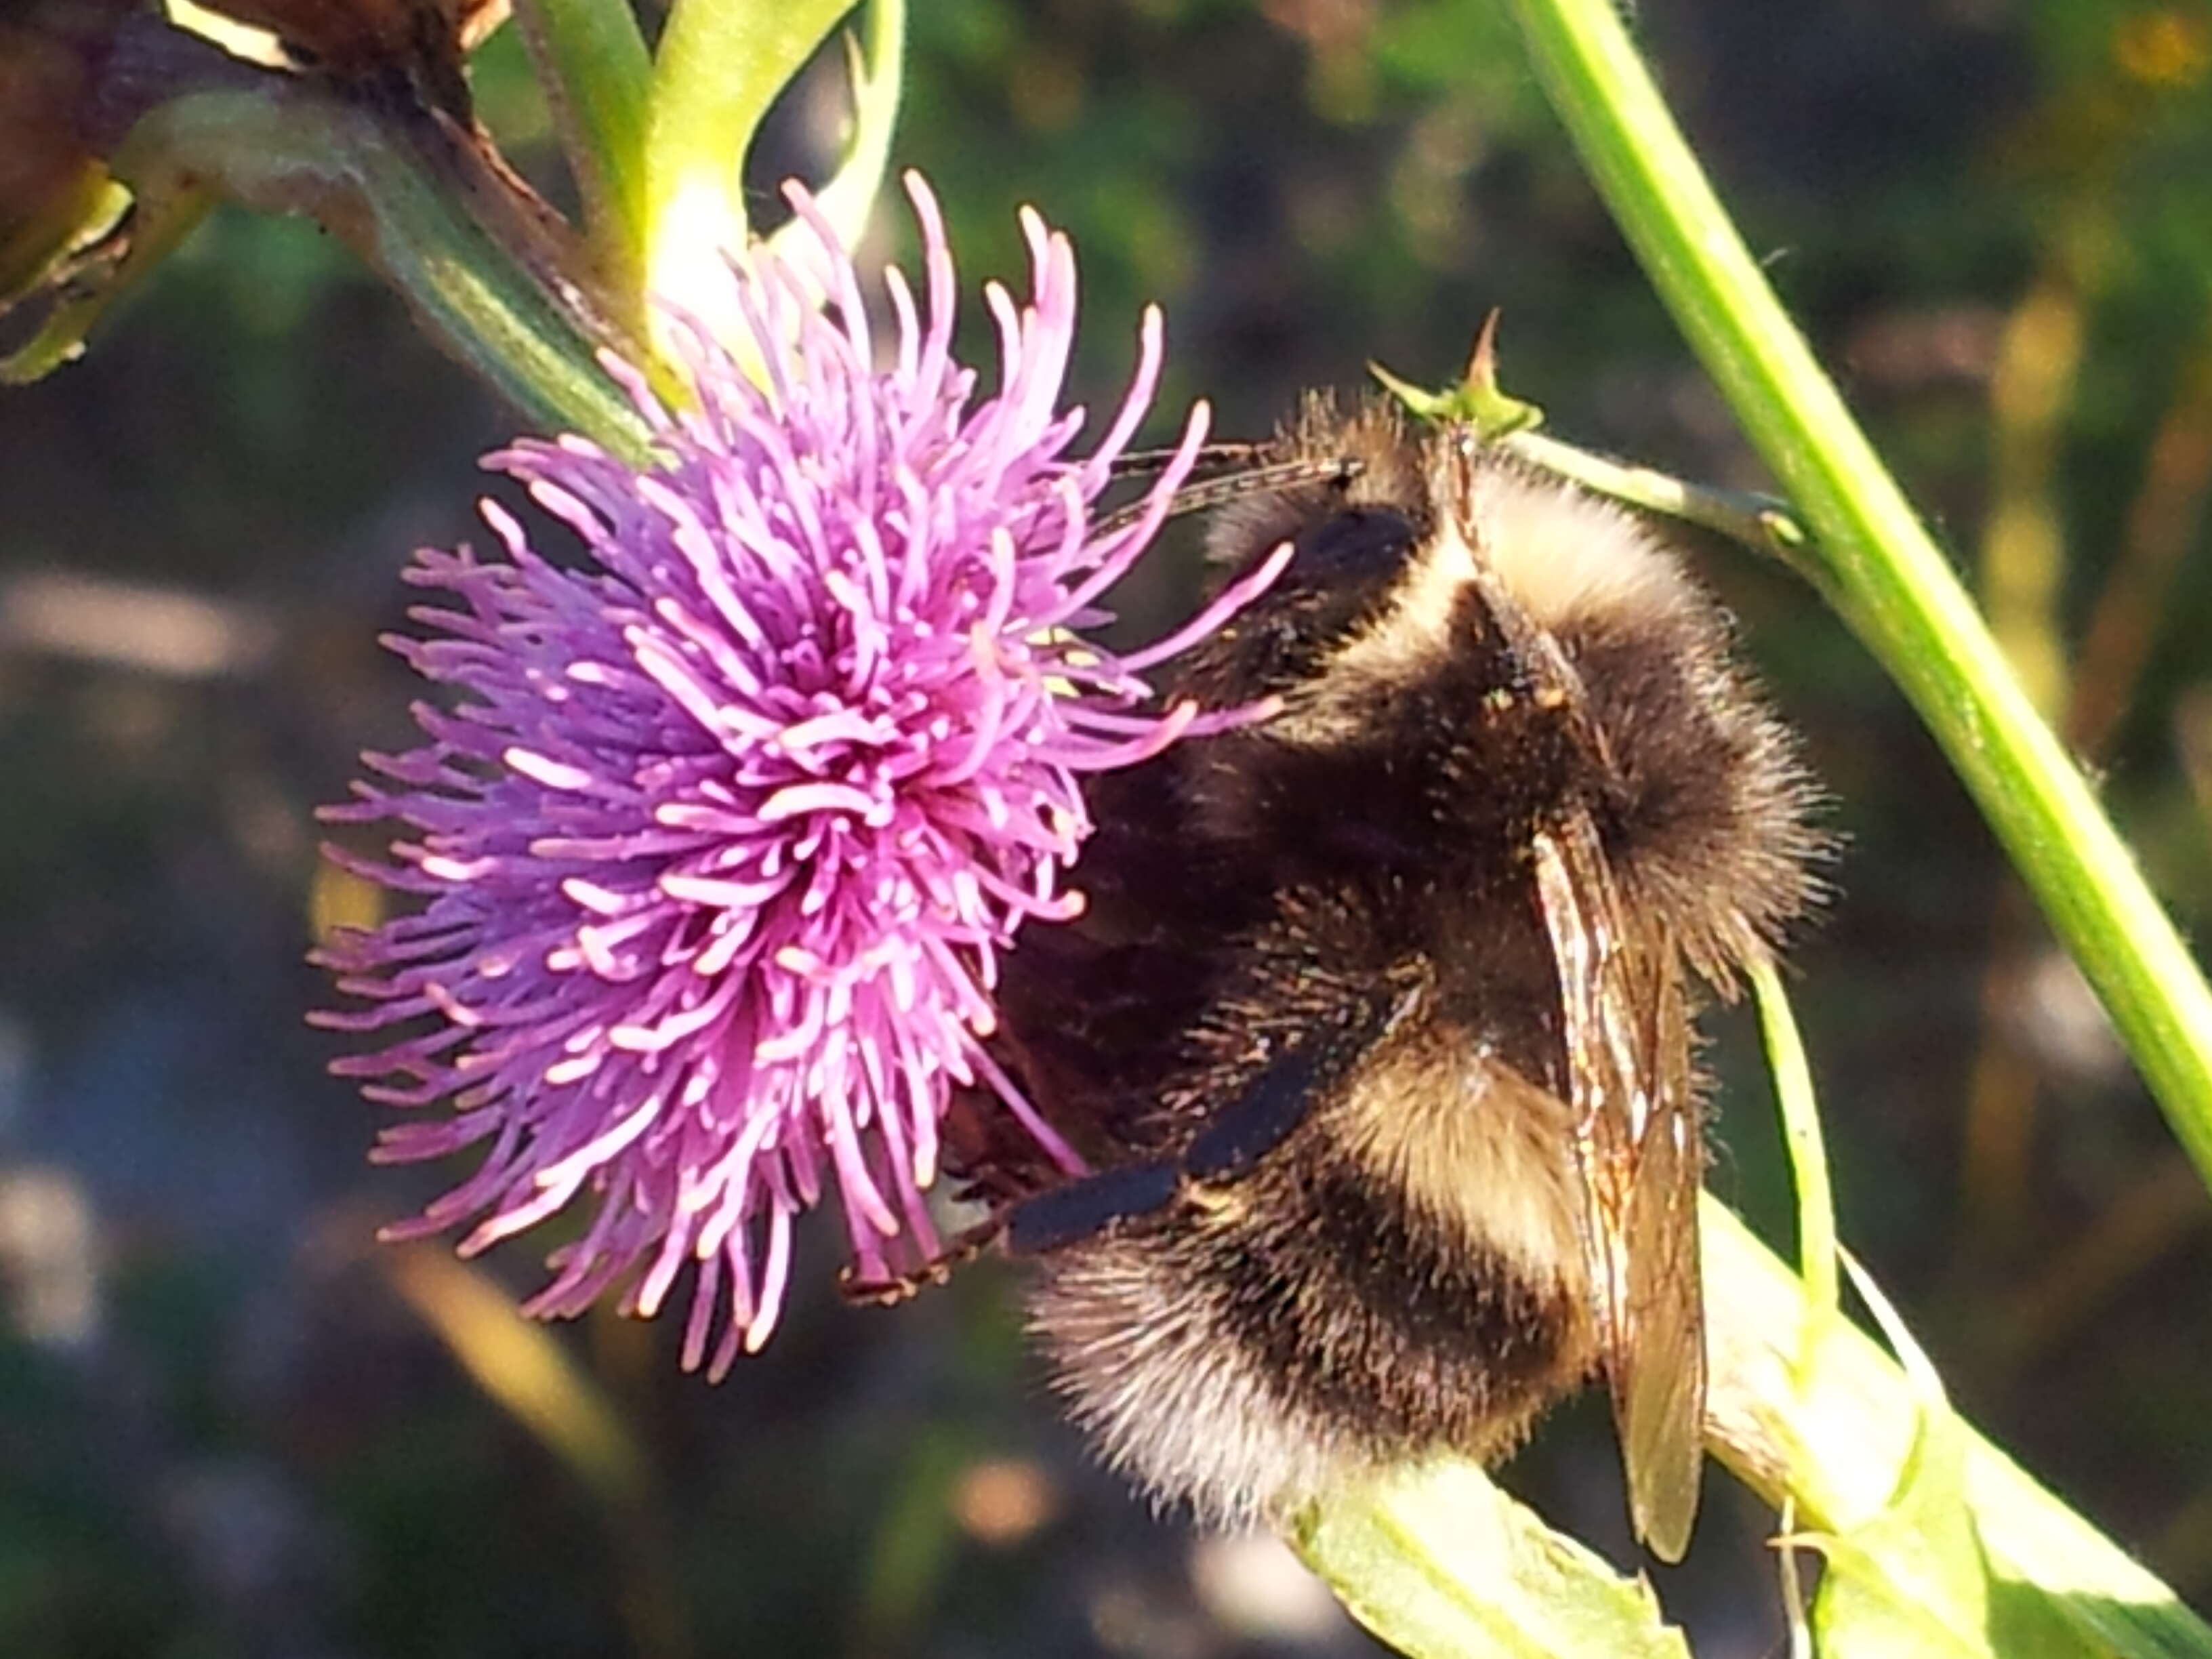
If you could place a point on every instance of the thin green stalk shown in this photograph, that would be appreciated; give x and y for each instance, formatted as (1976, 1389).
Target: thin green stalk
(1757, 521)
(592, 60)
(1882, 572)
(1809, 1153)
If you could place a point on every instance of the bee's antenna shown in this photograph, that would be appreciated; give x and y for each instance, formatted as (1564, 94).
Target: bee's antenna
(1251, 480)
(1210, 457)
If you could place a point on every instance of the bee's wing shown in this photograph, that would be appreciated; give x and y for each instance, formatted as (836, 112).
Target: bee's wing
(1627, 1038)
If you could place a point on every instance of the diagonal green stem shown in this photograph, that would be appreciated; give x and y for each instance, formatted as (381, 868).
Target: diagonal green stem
(489, 278)
(1880, 569)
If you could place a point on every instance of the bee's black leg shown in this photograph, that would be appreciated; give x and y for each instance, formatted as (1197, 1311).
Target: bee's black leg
(1256, 1122)
(1088, 1207)
(1082, 1208)
(901, 1287)
(1276, 1101)
(1227, 1149)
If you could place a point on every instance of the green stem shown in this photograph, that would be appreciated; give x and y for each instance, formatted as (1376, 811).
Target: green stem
(1882, 572)
(592, 60)
(492, 275)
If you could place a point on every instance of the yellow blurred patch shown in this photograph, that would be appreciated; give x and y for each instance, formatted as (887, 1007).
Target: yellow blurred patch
(338, 898)
(523, 1367)
(2164, 47)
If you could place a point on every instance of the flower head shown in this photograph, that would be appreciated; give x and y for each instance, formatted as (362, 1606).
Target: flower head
(722, 841)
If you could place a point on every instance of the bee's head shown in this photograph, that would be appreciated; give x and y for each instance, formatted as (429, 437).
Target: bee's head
(1356, 532)
(1421, 553)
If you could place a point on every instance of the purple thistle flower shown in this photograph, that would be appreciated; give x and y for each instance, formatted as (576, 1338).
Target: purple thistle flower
(722, 843)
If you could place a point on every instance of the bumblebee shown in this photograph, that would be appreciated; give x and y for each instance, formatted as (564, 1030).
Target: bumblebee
(1376, 1032)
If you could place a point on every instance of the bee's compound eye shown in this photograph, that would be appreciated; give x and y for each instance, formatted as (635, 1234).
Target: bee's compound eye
(1360, 547)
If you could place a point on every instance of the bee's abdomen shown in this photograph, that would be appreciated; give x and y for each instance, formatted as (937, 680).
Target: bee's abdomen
(1384, 1317)
(1253, 1344)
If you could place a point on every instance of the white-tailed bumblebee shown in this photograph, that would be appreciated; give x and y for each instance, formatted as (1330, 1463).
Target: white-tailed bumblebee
(1376, 1031)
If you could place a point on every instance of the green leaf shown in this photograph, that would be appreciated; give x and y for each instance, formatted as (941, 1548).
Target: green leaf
(1841, 1446)
(1912, 1578)
(158, 218)
(721, 64)
(1440, 1563)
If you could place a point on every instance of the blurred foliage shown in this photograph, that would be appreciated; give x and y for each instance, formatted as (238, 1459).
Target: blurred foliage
(249, 1439)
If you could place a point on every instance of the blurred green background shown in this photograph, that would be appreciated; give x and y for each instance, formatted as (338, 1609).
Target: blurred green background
(229, 1426)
